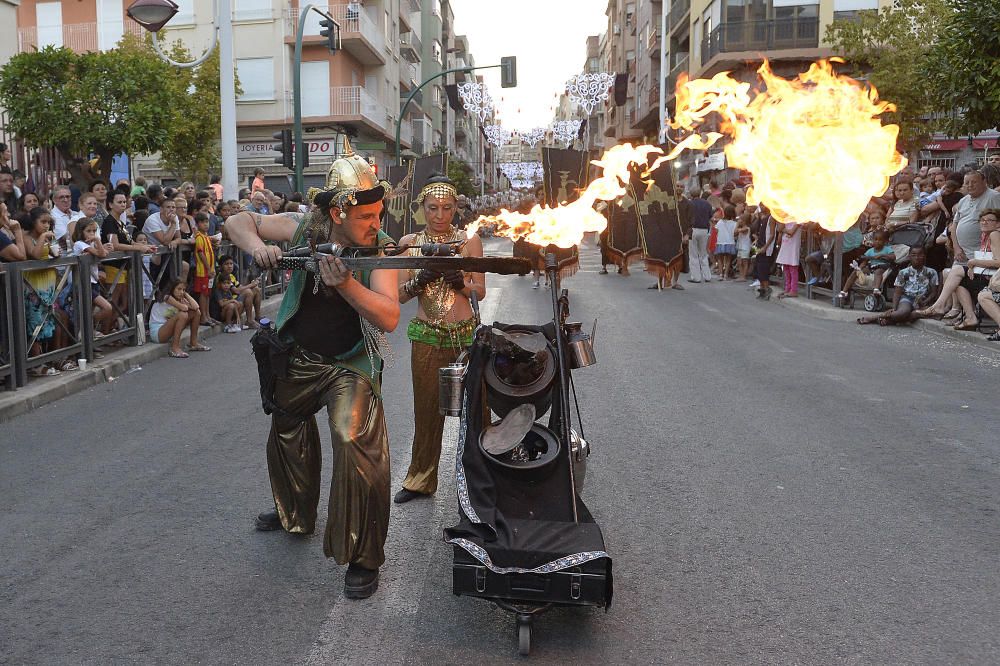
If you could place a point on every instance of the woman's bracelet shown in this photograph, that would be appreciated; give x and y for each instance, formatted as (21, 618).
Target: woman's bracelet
(411, 288)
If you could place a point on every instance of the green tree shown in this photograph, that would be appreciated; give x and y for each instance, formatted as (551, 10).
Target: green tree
(107, 103)
(192, 150)
(460, 173)
(964, 68)
(891, 47)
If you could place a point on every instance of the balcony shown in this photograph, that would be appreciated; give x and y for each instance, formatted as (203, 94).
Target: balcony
(408, 74)
(653, 42)
(406, 134)
(679, 11)
(648, 113)
(410, 47)
(344, 104)
(461, 128)
(681, 66)
(759, 36)
(416, 104)
(78, 37)
(359, 35)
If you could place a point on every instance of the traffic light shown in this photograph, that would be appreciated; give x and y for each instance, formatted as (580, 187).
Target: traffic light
(331, 30)
(284, 149)
(508, 72)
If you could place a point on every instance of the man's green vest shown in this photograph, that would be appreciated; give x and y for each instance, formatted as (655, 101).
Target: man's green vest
(357, 358)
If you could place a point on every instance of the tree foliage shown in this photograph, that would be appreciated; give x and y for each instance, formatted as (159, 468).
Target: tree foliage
(192, 149)
(460, 173)
(965, 68)
(892, 47)
(106, 102)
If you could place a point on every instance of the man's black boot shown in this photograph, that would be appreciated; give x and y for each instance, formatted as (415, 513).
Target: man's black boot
(360, 583)
(268, 521)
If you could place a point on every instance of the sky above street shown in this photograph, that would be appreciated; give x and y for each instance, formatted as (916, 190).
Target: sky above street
(549, 38)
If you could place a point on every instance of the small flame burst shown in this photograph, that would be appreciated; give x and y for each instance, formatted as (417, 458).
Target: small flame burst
(791, 137)
(565, 225)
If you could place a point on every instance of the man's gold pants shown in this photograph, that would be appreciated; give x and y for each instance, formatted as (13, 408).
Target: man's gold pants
(428, 424)
(358, 517)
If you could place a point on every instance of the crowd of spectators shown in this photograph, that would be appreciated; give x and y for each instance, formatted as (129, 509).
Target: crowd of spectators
(162, 225)
(929, 247)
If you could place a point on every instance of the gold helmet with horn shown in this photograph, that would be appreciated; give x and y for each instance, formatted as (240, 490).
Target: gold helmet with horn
(351, 181)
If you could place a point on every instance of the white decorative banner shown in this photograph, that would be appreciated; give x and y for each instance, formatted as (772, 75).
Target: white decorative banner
(476, 99)
(497, 134)
(565, 131)
(589, 89)
(533, 136)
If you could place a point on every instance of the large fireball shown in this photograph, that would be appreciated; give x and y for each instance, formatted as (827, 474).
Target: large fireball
(814, 144)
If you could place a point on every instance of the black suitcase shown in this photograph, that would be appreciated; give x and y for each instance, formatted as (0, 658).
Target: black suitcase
(584, 585)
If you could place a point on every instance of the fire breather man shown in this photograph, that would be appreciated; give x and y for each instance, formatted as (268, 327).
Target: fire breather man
(325, 351)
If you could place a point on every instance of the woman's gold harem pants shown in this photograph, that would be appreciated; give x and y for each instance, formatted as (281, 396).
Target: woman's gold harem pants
(428, 423)
(358, 518)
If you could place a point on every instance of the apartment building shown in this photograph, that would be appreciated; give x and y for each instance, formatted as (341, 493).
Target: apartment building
(8, 47)
(385, 46)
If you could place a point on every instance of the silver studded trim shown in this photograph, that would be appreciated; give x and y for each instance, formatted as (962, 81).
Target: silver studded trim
(555, 565)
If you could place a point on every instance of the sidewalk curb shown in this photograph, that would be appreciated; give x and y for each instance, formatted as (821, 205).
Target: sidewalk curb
(42, 391)
(830, 313)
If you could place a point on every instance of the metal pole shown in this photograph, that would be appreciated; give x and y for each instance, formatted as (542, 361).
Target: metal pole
(297, 98)
(663, 75)
(406, 105)
(227, 96)
(552, 271)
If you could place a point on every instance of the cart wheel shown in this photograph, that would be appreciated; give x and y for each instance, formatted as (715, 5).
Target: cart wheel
(871, 303)
(523, 639)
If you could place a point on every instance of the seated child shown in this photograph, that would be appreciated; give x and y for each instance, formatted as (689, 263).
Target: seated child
(226, 304)
(916, 288)
(874, 262)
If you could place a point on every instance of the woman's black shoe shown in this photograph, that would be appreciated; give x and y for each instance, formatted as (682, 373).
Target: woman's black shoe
(268, 521)
(405, 495)
(360, 583)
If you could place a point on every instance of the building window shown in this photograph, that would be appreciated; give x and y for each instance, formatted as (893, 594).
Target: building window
(256, 78)
(848, 9)
(110, 23)
(437, 52)
(252, 10)
(48, 18)
(436, 8)
(789, 10)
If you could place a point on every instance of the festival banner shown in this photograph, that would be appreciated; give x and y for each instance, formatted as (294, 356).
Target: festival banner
(660, 228)
(565, 170)
(565, 173)
(397, 204)
(423, 169)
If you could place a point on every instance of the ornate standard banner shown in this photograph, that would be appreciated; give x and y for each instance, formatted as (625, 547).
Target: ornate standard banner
(566, 172)
(423, 169)
(660, 228)
(397, 205)
(624, 235)
(644, 224)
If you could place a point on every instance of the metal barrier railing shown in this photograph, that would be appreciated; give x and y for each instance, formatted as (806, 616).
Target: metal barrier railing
(66, 313)
(65, 308)
(6, 333)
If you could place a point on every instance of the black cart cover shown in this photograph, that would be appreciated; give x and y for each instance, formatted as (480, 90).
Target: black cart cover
(508, 524)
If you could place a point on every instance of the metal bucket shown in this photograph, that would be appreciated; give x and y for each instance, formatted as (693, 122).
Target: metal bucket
(450, 389)
(580, 345)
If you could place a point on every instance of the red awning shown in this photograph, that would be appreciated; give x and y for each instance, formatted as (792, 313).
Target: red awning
(960, 144)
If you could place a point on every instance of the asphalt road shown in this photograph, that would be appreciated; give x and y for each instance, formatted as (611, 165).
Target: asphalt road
(773, 489)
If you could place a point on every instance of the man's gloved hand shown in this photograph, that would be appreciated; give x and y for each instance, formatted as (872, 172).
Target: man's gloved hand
(455, 280)
(425, 276)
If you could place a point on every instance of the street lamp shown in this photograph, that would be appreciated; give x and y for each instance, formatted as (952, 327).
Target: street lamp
(153, 15)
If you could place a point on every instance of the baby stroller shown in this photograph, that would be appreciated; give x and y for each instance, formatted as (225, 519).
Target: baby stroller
(875, 300)
(525, 540)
